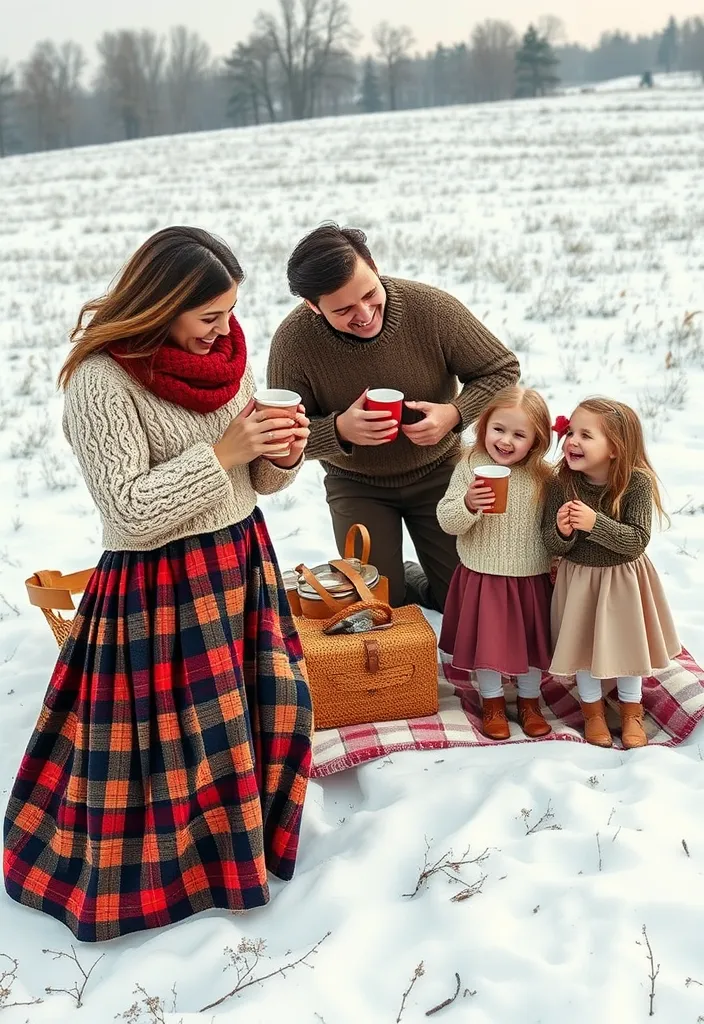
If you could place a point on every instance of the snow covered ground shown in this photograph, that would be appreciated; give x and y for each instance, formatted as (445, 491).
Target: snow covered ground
(575, 228)
(677, 80)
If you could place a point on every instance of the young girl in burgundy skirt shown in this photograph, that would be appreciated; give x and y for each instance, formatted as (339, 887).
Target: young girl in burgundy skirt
(497, 616)
(168, 768)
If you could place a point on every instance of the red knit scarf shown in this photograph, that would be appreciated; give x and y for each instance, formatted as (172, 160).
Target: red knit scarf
(200, 383)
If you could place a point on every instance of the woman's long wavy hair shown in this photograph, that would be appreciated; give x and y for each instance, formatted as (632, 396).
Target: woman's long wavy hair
(623, 430)
(535, 408)
(176, 269)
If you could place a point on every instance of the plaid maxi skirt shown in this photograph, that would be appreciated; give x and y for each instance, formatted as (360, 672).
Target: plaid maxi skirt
(168, 768)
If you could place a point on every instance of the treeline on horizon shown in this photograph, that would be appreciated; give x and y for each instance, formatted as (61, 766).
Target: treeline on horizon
(302, 61)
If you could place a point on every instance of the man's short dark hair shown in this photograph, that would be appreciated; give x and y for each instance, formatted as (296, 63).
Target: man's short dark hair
(325, 259)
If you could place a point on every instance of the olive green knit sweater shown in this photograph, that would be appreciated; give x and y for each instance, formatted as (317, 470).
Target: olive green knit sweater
(612, 541)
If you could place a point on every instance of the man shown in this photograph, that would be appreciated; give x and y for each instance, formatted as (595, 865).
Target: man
(354, 331)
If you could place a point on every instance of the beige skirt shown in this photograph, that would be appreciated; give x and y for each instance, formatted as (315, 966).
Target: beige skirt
(612, 621)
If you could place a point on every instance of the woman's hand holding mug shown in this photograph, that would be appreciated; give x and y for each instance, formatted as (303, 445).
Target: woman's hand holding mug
(251, 433)
(301, 434)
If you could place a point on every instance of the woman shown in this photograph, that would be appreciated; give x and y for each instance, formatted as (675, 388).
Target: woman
(168, 768)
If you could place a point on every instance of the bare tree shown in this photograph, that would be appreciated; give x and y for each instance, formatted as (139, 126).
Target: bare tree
(394, 44)
(120, 77)
(131, 72)
(552, 28)
(6, 94)
(692, 46)
(70, 67)
(251, 71)
(493, 60)
(152, 53)
(337, 86)
(305, 37)
(51, 84)
(188, 63)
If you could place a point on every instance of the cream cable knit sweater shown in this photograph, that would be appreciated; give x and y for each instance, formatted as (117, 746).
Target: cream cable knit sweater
(150, 465)
(500, 545)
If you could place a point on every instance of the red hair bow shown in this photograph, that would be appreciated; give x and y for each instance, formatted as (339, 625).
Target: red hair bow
(561, 426)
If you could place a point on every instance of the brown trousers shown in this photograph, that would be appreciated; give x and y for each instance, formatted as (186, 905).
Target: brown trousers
(384, 510)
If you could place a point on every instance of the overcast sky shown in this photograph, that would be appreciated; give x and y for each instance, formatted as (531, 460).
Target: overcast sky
(223, 22)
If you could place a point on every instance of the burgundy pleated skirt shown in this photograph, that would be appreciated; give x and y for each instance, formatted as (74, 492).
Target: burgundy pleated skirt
(497, 622)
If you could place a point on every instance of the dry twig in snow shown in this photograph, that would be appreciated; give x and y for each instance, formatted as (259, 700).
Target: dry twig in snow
(654, 971)
(418, 973)
(449, 866)
(8, 977)
(469, 891)
(75, 992)
(446, 1002)
(152, 1005)
(246, 957)
(540, 825)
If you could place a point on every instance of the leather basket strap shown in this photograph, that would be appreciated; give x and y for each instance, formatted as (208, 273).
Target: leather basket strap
(381, 613)
(355, 579)
(49, 589)
(371, 647)
(330, 603)
(358, 528)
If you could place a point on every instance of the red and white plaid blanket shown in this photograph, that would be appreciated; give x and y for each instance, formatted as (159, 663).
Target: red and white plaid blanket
(673, 702)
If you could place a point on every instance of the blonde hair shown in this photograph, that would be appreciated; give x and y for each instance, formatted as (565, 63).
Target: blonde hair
(535, 408)
(623, 430)
(175, 270)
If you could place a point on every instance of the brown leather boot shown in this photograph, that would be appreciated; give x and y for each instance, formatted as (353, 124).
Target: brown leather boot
(632, 731)
(596, 730)
(494, 721)
(530, 717)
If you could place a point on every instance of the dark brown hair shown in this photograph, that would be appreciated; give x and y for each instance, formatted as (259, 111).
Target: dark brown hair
(623, 430)
(177, 269)
(325, 259)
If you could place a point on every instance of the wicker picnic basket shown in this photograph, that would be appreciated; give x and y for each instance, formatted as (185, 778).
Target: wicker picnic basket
(53, 592)
(379, 676)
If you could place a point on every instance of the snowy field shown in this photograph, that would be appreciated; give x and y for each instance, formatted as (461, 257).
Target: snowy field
(575, 229)
(677, 80)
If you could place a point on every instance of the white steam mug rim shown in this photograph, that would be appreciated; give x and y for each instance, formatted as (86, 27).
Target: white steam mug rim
(385, 395)
(492, 472)
(277, 397)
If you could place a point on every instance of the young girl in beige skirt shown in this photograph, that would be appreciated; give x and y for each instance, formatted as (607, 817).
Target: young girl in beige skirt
(497, 614)
(610, 618)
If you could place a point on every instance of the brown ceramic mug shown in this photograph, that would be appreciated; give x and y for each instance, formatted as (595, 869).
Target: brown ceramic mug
(495, 477)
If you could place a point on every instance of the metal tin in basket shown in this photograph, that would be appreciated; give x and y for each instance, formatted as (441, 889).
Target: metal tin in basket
(337, 585)
(290, 578)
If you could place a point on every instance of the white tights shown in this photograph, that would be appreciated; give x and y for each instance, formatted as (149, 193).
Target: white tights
(630, 688)
(490, 684)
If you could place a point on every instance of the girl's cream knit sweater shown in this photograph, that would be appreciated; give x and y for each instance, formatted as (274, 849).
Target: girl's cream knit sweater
(510, 544)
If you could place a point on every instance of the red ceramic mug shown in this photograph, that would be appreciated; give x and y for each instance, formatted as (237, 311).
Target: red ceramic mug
(389, 400)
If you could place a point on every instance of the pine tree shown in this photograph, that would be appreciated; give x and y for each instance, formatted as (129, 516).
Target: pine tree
(370, 99)
(669, 45)
(6, 97)
(535, 65)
